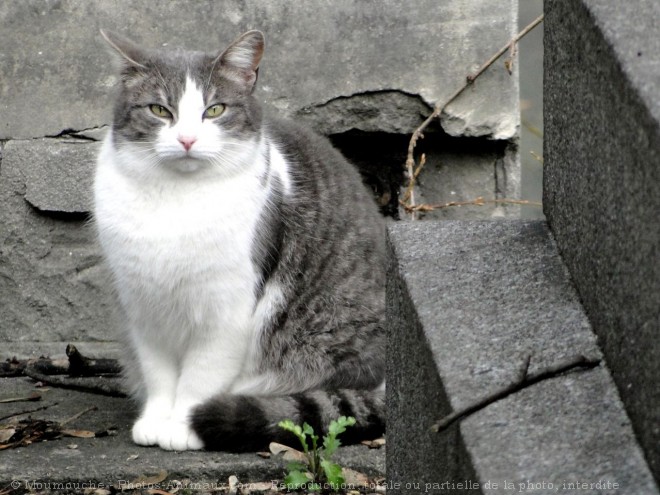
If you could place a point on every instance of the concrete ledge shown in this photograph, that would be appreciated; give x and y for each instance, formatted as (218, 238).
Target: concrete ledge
(112, 459)
(468, 301)
(601, 176)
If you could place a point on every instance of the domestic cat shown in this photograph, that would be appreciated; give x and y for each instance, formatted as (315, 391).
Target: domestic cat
(248, 258)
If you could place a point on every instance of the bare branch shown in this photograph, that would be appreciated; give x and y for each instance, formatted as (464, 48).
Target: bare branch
(522, 382)
(438, 109)
(475, 202)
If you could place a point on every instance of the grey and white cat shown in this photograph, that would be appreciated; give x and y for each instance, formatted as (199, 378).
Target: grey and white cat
(247, 256)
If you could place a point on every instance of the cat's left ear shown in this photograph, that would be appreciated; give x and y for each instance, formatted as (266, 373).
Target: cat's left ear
(240, 61)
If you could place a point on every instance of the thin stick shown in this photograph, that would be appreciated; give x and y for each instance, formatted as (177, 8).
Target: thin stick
(474, 202)
(437, 110)
(100, 386)
(29, 411)
(34, 396)
(504, 49)
(521, 383)
(76, 416)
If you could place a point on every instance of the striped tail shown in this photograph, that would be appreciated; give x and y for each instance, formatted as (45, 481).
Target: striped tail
(240, 423)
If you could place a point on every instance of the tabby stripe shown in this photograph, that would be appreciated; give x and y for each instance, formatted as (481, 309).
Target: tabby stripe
(345, 407)
(310, 411)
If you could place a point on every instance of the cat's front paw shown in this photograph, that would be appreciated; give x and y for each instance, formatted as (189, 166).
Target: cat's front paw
(179, 436)
(147, 429)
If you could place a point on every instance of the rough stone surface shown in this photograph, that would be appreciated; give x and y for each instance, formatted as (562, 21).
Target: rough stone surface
(58, 173)
(464, 170)
(364, 76)
(602, 170)
(53, 287)
(54, 58)
(111, 460)
(486, 295)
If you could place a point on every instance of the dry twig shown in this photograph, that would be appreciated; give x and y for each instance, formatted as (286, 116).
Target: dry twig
(76, 416)
(29, 411)
(524, 380)
(475, 202)
(81, 373)
(438, 109)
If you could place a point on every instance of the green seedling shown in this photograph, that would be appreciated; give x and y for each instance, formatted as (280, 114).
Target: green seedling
(319, 468)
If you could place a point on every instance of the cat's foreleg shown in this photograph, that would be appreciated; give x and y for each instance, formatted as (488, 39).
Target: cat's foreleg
(205, 372)
(159, 376)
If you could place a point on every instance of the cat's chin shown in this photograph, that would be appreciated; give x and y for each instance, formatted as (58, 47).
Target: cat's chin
(186, 165)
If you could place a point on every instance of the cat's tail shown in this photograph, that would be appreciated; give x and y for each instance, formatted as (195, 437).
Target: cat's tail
(240, 423)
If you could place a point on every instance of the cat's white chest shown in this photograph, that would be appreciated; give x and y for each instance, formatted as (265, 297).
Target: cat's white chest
(180, 250)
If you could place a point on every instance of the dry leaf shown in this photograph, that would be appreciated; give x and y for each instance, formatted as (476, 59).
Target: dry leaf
(264, 455)
(262, 486)
(154, 491)
(78, 433)
(6, 434)
(374, 444)
(287, 453)
(149, 480)
(96, 491)
(354, 477)
(72, 446)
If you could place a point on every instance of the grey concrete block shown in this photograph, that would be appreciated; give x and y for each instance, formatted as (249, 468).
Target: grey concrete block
(58, 173)
(601, 176)
(53, 287)
(319, 54)
(467, 302)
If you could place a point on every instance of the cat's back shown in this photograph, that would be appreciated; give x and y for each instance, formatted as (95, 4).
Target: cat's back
(322, 176)
(335, 230)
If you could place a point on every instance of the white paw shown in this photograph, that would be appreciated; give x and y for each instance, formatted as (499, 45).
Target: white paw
(179, 436)
(147, 429)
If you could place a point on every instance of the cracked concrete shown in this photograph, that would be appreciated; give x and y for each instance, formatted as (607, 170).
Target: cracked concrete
(57, 172)
(391, 111)
(60, 76)
(367, 75)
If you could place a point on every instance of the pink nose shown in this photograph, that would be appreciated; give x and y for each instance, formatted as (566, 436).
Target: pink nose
(187, 141)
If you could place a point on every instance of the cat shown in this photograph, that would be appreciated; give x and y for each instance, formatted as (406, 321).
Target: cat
(247, 256)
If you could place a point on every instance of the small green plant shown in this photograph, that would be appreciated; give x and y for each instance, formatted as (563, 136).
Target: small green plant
(319, 468)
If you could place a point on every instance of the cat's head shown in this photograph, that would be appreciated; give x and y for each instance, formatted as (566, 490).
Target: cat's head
(187, 110)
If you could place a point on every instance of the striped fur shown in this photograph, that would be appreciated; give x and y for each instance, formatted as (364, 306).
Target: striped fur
(240, 423)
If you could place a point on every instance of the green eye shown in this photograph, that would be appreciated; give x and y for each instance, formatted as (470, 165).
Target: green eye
(214, 111)
(160, 111)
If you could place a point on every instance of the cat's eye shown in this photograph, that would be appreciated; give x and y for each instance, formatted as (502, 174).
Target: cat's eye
(214, 111)
(160, 111)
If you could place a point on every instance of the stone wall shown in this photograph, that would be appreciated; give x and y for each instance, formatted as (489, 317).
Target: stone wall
(363, 72)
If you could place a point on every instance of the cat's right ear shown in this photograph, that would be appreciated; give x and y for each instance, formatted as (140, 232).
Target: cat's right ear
(131, 54)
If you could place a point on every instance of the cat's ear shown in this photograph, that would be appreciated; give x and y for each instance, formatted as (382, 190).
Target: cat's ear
(241, 60)
(132, 55)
